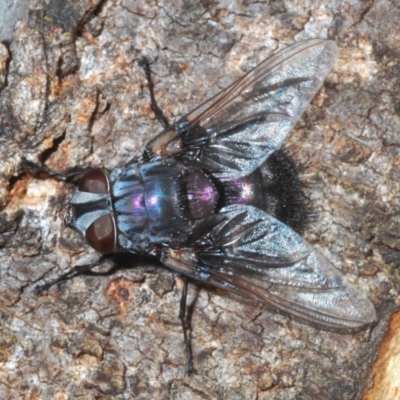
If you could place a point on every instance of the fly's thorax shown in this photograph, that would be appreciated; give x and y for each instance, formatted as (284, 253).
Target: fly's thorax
(90, 211)
(150, 204)
(159, 202)
(129, 207)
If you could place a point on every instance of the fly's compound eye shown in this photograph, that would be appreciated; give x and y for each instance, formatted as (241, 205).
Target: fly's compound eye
(90, 212)
(101, 234)
(94, 181)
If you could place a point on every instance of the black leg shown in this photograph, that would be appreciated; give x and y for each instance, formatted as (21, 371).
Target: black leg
(34, 169)
(153, 103)
(77, 270)
(182, 317)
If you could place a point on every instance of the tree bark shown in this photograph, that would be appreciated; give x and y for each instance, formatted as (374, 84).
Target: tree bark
(72, 93)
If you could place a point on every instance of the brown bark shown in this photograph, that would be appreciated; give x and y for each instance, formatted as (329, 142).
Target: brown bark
(73, 94)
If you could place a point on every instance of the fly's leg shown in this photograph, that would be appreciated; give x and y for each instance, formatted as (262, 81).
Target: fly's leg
(34, 169)
(153, 102)
(182, 317)
(76, 271)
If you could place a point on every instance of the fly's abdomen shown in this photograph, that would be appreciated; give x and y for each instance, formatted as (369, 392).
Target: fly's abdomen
(245, 190)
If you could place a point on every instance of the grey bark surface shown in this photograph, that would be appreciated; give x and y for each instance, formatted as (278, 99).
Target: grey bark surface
(72, 93)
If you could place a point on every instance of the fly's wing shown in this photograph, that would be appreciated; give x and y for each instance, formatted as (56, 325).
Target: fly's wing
(256, 255)
(235, 131)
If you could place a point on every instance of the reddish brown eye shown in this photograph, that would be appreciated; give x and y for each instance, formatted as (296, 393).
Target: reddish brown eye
(101, 234)
(94, 181)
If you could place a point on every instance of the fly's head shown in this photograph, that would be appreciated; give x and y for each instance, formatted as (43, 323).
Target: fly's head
(90, 211)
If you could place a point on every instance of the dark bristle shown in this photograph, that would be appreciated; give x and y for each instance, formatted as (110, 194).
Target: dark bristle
(284, 187)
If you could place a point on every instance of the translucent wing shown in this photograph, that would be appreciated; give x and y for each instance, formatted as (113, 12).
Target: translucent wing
(256, 255)
(234, 132)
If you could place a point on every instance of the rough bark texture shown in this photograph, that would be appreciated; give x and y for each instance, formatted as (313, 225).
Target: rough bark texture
(73, 94)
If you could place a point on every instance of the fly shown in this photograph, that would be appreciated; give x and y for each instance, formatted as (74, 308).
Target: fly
(200, 200)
